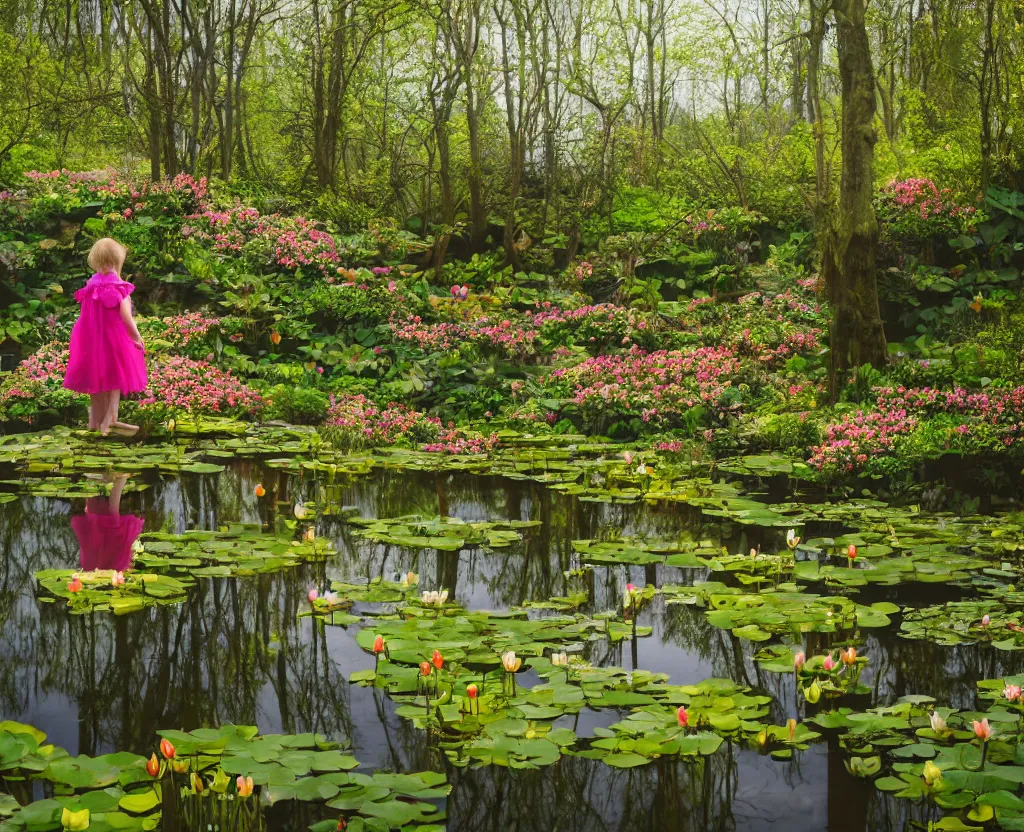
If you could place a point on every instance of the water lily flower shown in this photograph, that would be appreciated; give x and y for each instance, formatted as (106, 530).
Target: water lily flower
(1012, 692)
(244, 786)
(197, 783)
(442, 598)
(260, 491)
(378, 644)
(641, 469)
(313, 595)
(429, 597)
(938, 723)
(424, 668)
(310, 535)
(798, 660)
(170, 425)
(982, 730)
(75, 584)
(682, 716)
(152, 766)
(829, 663)
(985, 620)
(792, 541)
(167, 749)
(848, 656)
(510, 661)
(627, 457)
(75, 821)
(330, 597)
(932, 773)
(275, 337)
(220, 782)
(560, 659)
(813, 693)
(409, 579)
(791, 728)
(179, 766)
(299, 510)
(471, 691)
(437, 659)
(117, 579)
(851, 551)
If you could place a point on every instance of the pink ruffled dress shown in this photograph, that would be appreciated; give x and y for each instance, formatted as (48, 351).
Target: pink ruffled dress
(105, 539)
(103, 355)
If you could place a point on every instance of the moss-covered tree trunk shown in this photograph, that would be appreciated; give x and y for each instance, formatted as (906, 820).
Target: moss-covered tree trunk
(848, 262)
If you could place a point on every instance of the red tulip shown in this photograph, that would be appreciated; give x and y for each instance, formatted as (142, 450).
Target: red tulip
(682, 716)
(167, 749)
(471, 691)
(152, 766)
(437, 660)
(424, 668)
(378, 644)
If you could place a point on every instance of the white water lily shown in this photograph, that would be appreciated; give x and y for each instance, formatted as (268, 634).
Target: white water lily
(792, 541)
(559, 659)
(429, 597)
(442, 597)
(409, 579)
(299, 510)
(641, 469)
(938, 723)
(511, 662)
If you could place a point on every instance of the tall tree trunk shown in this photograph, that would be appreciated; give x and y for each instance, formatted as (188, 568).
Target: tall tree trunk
(848, 267)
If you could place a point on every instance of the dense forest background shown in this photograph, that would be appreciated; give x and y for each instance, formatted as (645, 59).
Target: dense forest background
(530, 120)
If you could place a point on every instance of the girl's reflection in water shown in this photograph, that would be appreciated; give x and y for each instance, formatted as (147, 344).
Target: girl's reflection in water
(105, 536)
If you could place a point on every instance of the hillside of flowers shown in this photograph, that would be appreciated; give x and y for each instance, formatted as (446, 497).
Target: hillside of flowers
(256, 314)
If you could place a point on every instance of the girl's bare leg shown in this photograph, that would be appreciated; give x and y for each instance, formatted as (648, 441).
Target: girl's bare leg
(110, 416)
(97, 409)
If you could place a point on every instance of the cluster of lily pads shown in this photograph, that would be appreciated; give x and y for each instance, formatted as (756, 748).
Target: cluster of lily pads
(211, 778)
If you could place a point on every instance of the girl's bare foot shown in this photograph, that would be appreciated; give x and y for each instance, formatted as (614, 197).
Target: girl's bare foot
(124, 427)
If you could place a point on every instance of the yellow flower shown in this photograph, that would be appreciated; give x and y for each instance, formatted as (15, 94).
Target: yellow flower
(932, 773)
(220, 782)
(813, 693)
(75, 821)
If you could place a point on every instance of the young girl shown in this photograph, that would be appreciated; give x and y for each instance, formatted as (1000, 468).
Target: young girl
(107, 353)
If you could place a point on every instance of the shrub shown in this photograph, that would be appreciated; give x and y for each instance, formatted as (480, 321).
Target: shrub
(298, 405)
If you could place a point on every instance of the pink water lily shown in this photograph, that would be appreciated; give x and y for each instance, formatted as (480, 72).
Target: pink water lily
(829, 663)
(1012, 692)
(982, 730)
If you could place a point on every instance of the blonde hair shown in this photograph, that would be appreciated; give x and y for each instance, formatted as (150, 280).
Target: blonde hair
(107, 255)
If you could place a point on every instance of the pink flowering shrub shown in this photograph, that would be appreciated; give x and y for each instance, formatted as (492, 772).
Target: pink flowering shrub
(129, 196)
(453, 441)
(37, 385)
(505, 337)
(188, 330)
(850, 443)
(267, 240)
(180, 383)
(919, 209)
(356, 421)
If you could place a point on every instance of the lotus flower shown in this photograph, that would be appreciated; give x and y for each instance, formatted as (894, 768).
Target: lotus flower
(829, 663)
(1012, 692)
(682, 716)
(437, 659)
(152, 766)
(167, 749)
(798, 660)
(932, 773)
(791, 728)
(313, 595)
(848, 656)
(378, 645)
(75, 584)
(938, 723)
(117, 579)
(220, 782)
(851, 551)
(424, 668)
(260, 491)
(982, 730)
(244, 786)
(510, 662)
(560, 659)
(75, 821)
(985, 620)
(792, 541)
(471, 691)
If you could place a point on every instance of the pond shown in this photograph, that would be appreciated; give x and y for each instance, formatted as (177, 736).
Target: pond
(237, 645)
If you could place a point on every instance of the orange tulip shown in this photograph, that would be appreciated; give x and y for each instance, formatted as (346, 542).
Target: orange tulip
(260, 491)
(152, 766)
(167, 749)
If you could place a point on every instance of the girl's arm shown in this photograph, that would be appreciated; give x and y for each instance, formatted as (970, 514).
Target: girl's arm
(129, 322)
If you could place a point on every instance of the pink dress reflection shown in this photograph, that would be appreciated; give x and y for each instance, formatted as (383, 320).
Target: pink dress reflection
(105, 536)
